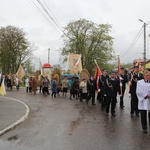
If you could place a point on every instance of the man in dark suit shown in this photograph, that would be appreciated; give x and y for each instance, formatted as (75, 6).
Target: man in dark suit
(123, 81)
(91, 87)
(102, 87)
(112, 88)
(133, 79)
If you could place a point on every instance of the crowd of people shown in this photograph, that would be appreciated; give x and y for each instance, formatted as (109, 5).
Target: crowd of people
(105, 90)
(10, 82)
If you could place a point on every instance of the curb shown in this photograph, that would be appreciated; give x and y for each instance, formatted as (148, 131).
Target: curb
(23, 118)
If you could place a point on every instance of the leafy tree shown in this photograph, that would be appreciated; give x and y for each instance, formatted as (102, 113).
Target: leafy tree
(14, 48)
(89, 39)
(28, 66)
(109, 67)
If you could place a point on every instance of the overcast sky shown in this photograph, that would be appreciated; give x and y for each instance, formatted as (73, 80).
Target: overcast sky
(123, 15)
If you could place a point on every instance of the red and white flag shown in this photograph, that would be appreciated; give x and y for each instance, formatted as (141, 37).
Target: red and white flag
(97, 75)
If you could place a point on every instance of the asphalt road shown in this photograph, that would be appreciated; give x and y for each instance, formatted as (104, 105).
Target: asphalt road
(63, 124)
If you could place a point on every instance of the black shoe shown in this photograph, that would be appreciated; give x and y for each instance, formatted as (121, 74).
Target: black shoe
(93, 104)
(102, 108)
(122, 107)
(113, 114)
(132, 115)
(87, 101)
(106, 114)
(145, 131)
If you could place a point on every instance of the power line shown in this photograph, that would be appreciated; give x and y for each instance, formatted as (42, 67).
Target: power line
(45, 16)
(52, 13)
(134, 41)
(49, 14)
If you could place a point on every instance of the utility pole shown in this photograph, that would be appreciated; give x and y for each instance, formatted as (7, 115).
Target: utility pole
(144, 54)
(49, 55)
(144, 45)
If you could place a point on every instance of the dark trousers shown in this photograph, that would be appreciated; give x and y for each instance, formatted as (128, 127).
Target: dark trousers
(41, 89)
(121, 98)
(83, 96)
(45, 90)
(144, 119)
(102, 99)
(134, 104)
(91, 95)
(111, 101)
(27, 89)
(30, 89)
(54, 94)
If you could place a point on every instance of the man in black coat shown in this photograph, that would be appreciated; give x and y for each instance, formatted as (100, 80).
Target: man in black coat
(102, 87)
(133, 79)
(123, 81)
(112, 88)
(91, 87)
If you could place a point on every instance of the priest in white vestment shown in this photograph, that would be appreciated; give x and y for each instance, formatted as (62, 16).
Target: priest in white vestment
(143, 94)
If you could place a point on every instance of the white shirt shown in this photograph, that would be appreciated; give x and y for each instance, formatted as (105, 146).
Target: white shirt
(142, 90)
(83, 86)
(17, 81)
(27, 82)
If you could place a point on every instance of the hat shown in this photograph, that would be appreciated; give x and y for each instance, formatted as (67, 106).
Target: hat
(113, 72)
(136, 67)
(122, 68)
(104, 69)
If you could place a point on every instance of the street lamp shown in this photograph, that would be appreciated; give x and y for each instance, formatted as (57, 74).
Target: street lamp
(144, 54)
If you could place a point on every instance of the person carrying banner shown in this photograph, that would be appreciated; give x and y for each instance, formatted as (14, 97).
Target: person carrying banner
(2, 86)
(133, 79)
(123, 80)
(102, 87)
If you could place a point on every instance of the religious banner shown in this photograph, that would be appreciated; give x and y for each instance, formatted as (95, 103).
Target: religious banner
(2, 88)
(75, 63)
(84, 74)
(20, 73)
(57, 75)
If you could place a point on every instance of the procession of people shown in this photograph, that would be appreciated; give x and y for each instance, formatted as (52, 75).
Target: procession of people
(108, 90)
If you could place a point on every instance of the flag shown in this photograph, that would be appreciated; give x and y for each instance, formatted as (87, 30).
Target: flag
(2, 88)
(75, 64)
(97, 75)
(20, 73)
(118, 65)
